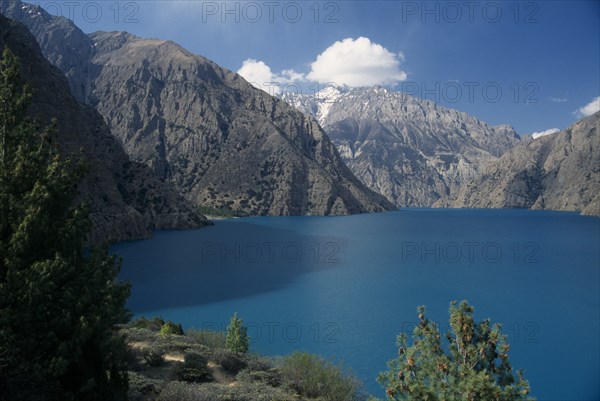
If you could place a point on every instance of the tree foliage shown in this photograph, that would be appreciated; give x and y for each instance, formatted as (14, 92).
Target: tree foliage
(58, 303)
(314, 377)
(237, 339)
(475, 368)
(170, 328)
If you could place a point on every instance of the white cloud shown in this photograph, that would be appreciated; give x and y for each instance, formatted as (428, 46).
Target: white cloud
(590, 108)
(357, 62)
(351, 62)
(260, 76)
(550, 131)
(291, 76)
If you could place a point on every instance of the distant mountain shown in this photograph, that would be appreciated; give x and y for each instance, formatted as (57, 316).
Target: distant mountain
(411, 150)
(127, 201)
(204, 129)
(557, 172)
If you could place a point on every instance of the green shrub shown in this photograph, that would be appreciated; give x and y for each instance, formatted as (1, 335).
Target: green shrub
(195, 360)
(208, 338)
(170, 328)
(230, 361)
(134, 334)
(194, 369)
(176, 343)
(270, 377)
(254, 392)
(154, 356)
(179, 391)
(258, 362)
(153, 325)
(140, 323)
(141, 386)
(220, 212)
(312, 376)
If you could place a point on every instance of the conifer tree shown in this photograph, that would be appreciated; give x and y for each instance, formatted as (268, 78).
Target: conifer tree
(475, 368)
(58, 303)
(236, 339)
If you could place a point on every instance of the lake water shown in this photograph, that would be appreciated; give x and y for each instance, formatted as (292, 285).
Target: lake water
(344, 287)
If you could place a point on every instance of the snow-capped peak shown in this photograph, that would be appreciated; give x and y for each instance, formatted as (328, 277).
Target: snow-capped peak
(325, 98)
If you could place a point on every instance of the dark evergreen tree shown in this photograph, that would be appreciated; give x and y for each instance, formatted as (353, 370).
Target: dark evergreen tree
(237, 339)
(58, 303)
(476, 368)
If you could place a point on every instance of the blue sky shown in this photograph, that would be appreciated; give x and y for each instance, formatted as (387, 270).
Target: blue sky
(534, 65)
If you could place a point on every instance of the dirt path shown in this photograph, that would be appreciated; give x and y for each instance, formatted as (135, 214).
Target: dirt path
(220, 375)
(167, 370)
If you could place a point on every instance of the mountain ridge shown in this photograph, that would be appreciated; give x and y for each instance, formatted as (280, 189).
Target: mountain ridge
(218, 140)
(214, 131)
(558, 172)
(412, 150)
(226, 145)
(126, 201)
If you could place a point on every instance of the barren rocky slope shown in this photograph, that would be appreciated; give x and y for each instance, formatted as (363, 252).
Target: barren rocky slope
(221, 141)
(411, 150)
(126, 200)
(204, 129)
(557, 172)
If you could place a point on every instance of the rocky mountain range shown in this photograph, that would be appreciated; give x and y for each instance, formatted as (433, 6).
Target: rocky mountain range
(183, 122)
(127, 201)
(557, 172)
(205, 130)
(411, 150)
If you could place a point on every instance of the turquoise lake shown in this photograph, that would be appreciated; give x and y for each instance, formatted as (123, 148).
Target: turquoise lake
(344, 287)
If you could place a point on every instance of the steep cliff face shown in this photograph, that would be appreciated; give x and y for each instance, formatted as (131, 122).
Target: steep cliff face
(61, 42)
(413, 151)
(127, 201)
(220, 141)
(556, 172)
(204, 129)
